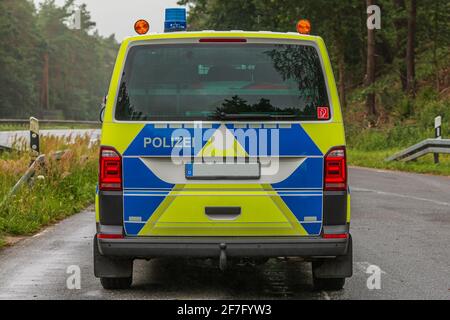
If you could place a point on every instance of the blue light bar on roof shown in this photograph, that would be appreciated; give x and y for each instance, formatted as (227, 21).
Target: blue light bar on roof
(175, 20)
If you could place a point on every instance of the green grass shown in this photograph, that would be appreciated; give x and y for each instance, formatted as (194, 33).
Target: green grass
(375, 159)
(61, 187)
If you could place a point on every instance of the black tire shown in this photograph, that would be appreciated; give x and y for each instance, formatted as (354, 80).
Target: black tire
(116, 283)
(331, 284)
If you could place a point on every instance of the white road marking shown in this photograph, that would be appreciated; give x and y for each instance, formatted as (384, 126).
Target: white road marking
(40, 233)
(398, 195)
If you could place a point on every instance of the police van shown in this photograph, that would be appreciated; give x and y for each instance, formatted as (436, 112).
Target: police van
(223, 145)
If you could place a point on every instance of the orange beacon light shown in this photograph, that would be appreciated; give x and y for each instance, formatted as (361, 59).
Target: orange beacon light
(304, 26)
(141, 27)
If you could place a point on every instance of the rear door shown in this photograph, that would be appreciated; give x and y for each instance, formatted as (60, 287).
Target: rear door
(227, 137)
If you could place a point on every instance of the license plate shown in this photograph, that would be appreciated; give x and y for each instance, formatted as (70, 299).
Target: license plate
(214, 171)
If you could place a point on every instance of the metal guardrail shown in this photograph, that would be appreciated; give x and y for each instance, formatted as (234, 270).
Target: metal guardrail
(30, 173)
(27, 121)
(7, 137)
(26, 176)
(422, 148)
(37, 159)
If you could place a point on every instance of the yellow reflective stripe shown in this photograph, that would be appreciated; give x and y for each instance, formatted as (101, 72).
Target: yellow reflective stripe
(287, 212)
(182, 213)
(211, 150)
(97, 210)
(335, 103)
(349, 209)
(150, 224)
(120, 136)
(325, 135)
(213, 230)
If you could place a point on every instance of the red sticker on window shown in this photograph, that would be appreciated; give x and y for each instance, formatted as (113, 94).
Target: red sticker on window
(323, 113)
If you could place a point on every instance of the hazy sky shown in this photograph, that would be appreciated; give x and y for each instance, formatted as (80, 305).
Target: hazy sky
(118, 16)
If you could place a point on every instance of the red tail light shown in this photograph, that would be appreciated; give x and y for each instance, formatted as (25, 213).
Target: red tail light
(109, 236)
(335, 236)
(110, 171)
(335, 175)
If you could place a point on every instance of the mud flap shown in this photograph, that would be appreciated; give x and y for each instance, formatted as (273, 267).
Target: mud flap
(105, 267)
(339, 267)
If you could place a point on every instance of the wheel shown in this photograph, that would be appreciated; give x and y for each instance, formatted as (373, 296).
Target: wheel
(116, 283)
(330, 274)
(332, 284)
(113, 273)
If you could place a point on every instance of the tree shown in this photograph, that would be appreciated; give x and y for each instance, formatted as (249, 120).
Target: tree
(80, 61)
(370, 72)
(19, 58)
(401, 26)
(410, 49)
(46, 69)
(433, 32)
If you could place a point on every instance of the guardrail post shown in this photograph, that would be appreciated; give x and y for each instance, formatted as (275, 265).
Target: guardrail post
(34, 139)
(437, 134)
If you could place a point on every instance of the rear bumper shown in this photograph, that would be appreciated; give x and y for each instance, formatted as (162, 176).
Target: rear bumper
(209, 247)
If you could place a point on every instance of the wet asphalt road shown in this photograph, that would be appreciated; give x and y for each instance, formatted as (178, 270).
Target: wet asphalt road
(400, 222)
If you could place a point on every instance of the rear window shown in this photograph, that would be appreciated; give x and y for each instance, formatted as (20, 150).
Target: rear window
(215, 81)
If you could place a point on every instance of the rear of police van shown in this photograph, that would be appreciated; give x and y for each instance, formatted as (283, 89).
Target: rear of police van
(223, 145)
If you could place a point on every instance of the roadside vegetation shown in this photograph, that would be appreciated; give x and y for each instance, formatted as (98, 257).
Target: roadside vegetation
(403, 121)
(375, 159)
(59, 188)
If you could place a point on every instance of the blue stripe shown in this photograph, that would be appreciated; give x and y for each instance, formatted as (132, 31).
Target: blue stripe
(133, 229)
(308, 175)
(138, 175)
(306, 206)
(312, 228)
(142, 207)
(293, 141)
(163, 143)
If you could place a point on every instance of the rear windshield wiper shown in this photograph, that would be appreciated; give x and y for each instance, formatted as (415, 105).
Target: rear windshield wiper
(245, 116)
